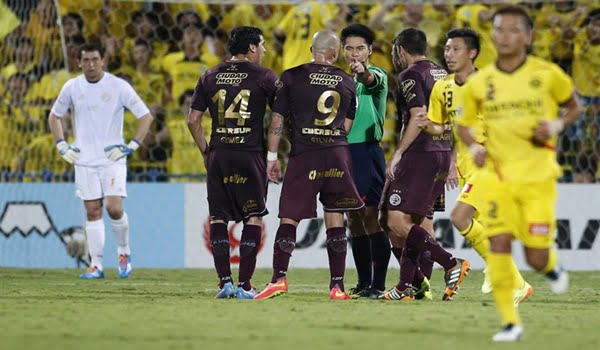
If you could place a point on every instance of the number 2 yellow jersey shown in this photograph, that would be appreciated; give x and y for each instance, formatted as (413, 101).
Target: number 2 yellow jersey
(444, 105)
(512, 105)
(299, 26)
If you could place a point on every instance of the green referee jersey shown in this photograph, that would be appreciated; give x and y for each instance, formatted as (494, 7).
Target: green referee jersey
(370, 113)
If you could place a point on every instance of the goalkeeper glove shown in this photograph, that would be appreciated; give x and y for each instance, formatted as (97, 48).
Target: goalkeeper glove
(67, 152)
(116, 152)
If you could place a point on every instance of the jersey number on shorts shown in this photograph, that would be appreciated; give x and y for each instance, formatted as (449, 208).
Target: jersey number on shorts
(240, 99)
(331, 110)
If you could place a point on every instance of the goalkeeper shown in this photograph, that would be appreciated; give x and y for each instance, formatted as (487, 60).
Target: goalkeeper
(97, 100)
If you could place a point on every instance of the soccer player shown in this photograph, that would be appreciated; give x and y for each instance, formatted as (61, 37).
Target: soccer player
(461, 50)
(370, 245)
(97, 99)
(417, 174)
(236, 93)
(319, 101)
(519, 98)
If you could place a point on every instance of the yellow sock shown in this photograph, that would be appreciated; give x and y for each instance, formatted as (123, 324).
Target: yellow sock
(477, 239)
(503, 285)
(552, 261)
(519, 281)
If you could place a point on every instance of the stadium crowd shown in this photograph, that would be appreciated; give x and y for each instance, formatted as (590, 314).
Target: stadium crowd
(163, 48)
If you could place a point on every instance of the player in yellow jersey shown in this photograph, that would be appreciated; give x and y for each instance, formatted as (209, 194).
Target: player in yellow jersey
(519, 98)
(460, 52)
(299, 25)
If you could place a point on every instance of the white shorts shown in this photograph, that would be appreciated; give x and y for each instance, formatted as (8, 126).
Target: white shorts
(97, 182)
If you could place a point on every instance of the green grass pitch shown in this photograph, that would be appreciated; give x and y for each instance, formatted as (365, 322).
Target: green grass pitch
(175, 309)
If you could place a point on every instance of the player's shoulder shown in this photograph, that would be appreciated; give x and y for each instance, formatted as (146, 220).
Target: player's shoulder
(377, 69)
(537, 64)
(74, 81)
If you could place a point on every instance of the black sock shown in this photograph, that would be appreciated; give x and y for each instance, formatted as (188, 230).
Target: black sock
(380, 252)
(361, 250)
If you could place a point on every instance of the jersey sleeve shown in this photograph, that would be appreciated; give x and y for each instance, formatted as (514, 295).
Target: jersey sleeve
(353, 101)
(380, 79)
(281, 104)
(63, 101)
(561, 86)
(270, 85)
(132, 101)
(286, 22)
(435, 112)
(468, 113)
(199, 102)
(411, 86)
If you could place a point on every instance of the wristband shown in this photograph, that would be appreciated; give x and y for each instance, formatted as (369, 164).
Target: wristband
(271, 156)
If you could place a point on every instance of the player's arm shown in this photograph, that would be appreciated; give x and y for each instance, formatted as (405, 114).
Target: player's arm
(433, 122)
(363, 74)
(273, 140)
(339, 18)
(548, 128)
(348, 124)
(466, 119)
(59, 109)
(194, 123)
(67, 152)
(408, 136)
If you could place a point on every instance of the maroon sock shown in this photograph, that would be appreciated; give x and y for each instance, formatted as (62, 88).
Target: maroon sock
(219, 241)
(337, 244)
(426, 264)
(248, 249)
(418, 276)
(408, 268)
(420, 240)
(285, 241)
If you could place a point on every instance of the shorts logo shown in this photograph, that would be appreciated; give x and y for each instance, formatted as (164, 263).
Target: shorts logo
(395, 199)
(346, 203)
(467, 188)
(539, 229)
(250, 205)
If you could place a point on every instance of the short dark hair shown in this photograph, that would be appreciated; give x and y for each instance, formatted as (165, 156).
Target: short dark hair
(471, 38)
(91, 47)
(516, 10)
(183, 13)
(240, 39)
(151, 16)
(142, 42)
(414, 41)
(358, 30)
(76, 17)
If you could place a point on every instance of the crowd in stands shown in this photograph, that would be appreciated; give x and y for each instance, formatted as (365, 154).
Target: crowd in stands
(163, 48)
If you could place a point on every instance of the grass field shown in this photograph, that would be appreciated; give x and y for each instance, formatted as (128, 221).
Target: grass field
(175, 309)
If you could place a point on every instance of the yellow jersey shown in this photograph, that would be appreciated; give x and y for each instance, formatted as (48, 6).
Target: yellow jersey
(512, 105)
(48, 87)
(299, 25)
(185, 157)
(586, 66)
(149, 86)
(444, 105)
(40, 154)
(468, 16)
(184, 74)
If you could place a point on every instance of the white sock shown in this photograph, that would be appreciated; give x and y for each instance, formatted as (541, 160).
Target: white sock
(120, 228)
(94, 231)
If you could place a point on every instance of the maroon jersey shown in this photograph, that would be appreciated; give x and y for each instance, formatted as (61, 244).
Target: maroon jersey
(316, 99)
(236, 93)
(414, 88)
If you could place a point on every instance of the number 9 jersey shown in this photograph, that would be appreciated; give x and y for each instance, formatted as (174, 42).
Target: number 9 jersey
(236, 93)
(316, 99)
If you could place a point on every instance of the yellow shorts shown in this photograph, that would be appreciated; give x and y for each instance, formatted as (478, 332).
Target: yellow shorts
(527, 211)
(470, 191)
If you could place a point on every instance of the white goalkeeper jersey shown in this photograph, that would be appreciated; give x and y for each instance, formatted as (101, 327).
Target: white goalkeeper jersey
(98, 110)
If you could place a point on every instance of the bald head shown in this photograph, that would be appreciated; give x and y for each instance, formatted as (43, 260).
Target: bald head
(325, 43)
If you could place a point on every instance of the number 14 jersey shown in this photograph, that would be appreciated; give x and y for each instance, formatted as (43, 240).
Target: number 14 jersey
(236, 94)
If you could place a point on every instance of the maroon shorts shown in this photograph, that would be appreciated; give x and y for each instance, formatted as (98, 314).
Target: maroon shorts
(236, 184)
(324, 172)
(419, 181)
